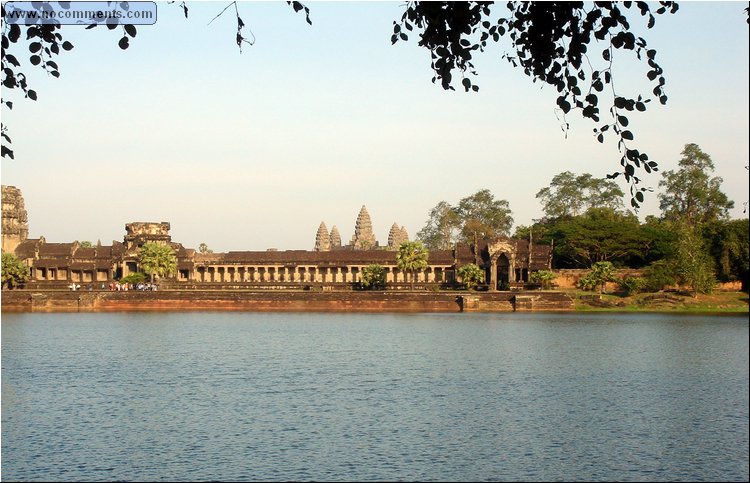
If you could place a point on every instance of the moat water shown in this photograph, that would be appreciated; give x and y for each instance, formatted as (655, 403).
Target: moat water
(362, 397)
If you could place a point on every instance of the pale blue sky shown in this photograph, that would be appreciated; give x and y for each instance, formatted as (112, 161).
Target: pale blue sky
(254, 150)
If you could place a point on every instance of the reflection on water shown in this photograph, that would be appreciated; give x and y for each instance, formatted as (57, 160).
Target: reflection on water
(353, 397)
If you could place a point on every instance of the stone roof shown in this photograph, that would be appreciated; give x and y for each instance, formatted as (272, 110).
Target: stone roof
(27, 248)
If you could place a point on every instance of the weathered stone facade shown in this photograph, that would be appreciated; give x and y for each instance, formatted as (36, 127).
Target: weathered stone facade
(322, 239)
(363, 238)
(397, 236)
(507, 262)
(15, 226)
(335, 238)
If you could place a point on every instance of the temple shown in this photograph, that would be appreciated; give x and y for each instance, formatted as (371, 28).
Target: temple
(507, 262)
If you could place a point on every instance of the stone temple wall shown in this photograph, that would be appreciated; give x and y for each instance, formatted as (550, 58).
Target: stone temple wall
(15, 224)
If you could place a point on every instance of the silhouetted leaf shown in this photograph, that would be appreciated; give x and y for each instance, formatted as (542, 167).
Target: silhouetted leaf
(130, 29)
(123, 43)
(627, 135)
(67, 45)
(7, 152)
(31, 94)
(12, 59)
(35, 46)
(35, 59)
(14, 33)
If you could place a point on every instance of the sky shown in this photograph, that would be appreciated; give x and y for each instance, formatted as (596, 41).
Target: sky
(252, 150)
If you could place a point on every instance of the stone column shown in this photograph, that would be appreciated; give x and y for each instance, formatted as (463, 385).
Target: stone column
(512, 270)
(493, 274)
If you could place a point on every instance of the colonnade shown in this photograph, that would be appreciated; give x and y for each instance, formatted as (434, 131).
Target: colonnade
(307, 273)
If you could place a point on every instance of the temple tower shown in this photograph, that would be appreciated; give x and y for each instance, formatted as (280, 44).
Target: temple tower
(404, 234)
(335, 238)
(396, 237)
(139, 232)
(15, 224)
(363, 238)
(322, 239)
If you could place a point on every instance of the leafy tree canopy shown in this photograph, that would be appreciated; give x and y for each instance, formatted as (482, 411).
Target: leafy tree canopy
(157, 260)
(601, 234)
(570, 195)
(600, 274)
(728, 242)
(442, 229)
(14, 271)
(373, 277)
(483, 216)
(476, 217)
(571, 46)
(471, 275)
(411, 257)
(691, 194)
(694, 265)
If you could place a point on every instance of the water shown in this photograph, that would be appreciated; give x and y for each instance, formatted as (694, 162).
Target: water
(358, 397)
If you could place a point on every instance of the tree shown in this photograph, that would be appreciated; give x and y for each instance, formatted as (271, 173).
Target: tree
(46, 41)
(135, 278)
(442, 229)
(544, 278)
(599, 235)
(157, 260)
(85, 244)
(600, 274)
(483, 217)
(691, 194)
(411, 257)
(571, 195)
(660, 274)
(693, 263)
(373, 277)
(14, 271)
(203, 248)
(471, 275)
(554, 43)
(729, 245)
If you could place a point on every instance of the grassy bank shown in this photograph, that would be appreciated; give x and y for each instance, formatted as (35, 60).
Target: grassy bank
(717, 302)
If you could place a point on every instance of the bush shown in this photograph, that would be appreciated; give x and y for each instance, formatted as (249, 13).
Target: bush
(600, 274)
(134, 278)
(373, 277)
(658, 275)
(544, 278)
(632, 285)
(471, 275)
(588, 283)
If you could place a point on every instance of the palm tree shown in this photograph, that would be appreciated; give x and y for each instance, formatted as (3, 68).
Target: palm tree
(157, 259)
(412, 256)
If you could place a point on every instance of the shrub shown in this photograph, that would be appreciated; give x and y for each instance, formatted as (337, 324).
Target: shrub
(632, 285)
(471, 275)
(658, 275)
(134, 278)
(373, 277)
(544, 278)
